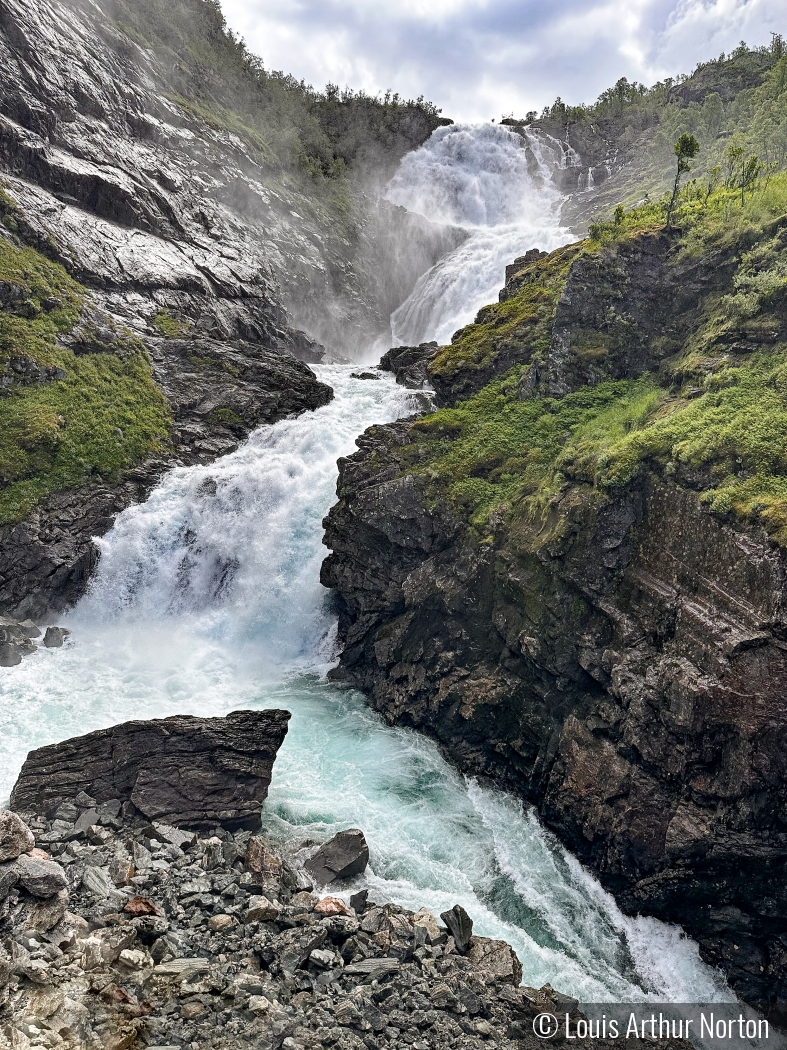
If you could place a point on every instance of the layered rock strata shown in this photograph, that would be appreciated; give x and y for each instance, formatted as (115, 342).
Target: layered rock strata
(180, 770)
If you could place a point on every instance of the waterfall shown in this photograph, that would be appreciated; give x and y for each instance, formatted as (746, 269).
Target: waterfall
(493, 182)
(207, 599)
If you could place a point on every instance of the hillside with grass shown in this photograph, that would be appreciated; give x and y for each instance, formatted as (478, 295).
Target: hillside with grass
(572, 573)
(735, 105)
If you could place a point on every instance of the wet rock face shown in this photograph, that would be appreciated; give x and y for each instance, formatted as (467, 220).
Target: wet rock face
(627, 676)
(410, 364)
(179, 771)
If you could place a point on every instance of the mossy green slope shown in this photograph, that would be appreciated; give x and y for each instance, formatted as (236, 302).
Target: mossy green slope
(89, 415)
(713, 415)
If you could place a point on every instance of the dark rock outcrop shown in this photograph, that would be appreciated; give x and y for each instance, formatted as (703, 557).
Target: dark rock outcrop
(410, 364)
(617, 656)
(628, 677)
(179, 771)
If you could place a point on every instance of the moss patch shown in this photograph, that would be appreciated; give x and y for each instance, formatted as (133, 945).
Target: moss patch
(169, 326)
(106, 414)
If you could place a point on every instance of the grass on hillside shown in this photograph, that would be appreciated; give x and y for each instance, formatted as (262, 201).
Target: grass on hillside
(718, 408)
(105, 414)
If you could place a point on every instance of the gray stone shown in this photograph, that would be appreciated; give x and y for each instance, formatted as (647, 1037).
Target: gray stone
(173, 836)
(372, 968)
(99, 882)
(180, 770)
(48, 913)
(85, 820)
(260, 909)
(343, 857)
(15, 836)
(9, 877)
(29, 628)
(41, 878)
(460, 926)
(182, 968)
(55, 636)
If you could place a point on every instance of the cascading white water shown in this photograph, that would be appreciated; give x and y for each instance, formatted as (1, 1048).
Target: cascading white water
(497, 185)
(207, 600)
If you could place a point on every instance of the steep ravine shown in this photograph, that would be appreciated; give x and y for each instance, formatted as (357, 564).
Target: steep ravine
(160, 268)
(539, 580)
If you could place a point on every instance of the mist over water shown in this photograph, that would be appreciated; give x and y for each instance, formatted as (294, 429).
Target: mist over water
(497, 185)
(207, 599)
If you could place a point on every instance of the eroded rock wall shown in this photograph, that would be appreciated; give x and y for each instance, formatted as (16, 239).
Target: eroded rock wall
(617, 655)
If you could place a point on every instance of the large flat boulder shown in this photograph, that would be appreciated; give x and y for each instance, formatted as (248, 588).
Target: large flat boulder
(182, 771)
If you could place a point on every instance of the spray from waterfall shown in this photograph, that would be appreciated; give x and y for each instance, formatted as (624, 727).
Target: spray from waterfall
(497, 185)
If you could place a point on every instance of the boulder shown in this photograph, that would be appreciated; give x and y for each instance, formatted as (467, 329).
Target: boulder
(496, 960)
(41, 878)
(344, 856)
(260, 909)
(55, 636)
(179, 771)
(331, 906)
(15, 836)
(49, 912)
(261, 861)
(9, 876)
(410, 364)
(427, 921)
(460, 926)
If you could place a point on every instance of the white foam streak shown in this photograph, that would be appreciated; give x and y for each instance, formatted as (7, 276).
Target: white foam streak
(497, 185)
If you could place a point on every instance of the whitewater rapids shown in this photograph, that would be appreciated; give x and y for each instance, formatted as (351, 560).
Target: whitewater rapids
(207, 599)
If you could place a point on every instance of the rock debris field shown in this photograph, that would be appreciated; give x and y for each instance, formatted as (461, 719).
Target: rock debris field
(118, 931)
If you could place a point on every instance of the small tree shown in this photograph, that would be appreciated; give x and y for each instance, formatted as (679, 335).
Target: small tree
(750, 170)
(685, 149)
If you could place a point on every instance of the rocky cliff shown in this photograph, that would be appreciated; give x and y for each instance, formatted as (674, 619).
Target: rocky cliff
(573, 574)
(174, 222)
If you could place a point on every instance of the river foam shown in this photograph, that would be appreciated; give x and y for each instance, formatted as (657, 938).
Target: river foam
(207, 599)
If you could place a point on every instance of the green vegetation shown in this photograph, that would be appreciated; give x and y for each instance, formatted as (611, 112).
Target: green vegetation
(713, 416)
(168, 326)
(523, 318)
(685, 149)
(90, 415)
(288, 125)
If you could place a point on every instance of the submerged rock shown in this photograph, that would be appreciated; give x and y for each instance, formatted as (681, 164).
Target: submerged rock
(180, 770)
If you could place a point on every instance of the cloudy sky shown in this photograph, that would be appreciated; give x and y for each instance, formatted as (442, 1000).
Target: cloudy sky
(480, 59)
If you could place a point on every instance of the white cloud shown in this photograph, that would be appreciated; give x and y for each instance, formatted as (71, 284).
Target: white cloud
(479, 59)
